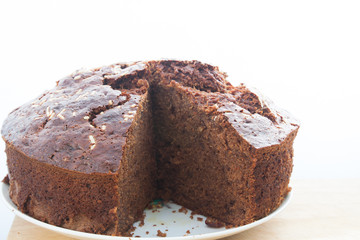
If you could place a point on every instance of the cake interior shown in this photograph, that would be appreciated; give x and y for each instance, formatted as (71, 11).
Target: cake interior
(200, 161)
(137, 186)
(197, 169)
(136, 182)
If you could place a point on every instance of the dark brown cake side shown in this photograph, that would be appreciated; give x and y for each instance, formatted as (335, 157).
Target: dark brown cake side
(272, 175)
(79, 201)
(271, 132)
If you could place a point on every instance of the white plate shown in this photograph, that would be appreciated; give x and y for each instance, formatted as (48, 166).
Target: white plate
(176, 223)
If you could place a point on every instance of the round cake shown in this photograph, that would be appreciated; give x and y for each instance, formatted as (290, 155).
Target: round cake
(93, 152)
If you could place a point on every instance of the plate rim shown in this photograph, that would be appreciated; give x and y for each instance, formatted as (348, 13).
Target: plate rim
(76, 234)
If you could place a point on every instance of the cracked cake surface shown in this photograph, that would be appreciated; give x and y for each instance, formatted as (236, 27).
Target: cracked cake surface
(119, 136)
(87, 110)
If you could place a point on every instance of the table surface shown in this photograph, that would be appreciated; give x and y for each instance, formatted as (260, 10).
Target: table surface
(319, 209)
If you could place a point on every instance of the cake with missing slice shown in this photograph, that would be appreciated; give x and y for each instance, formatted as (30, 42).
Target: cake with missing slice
(91, 153)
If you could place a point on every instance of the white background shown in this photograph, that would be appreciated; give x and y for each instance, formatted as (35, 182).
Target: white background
(305, 55)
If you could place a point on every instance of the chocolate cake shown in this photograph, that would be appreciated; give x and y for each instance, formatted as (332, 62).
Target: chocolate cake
(94, 151)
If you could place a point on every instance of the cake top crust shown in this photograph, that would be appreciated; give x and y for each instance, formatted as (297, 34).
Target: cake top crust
(81, 124)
